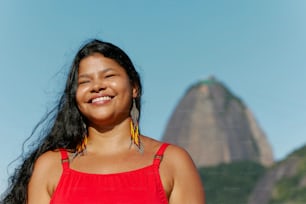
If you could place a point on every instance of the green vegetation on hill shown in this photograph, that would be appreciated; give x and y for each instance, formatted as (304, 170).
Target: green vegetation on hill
(230, 183)
(291, 190)
(288, 191)
(301, 152)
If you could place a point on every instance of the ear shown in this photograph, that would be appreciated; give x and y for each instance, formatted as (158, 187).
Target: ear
(135, 91)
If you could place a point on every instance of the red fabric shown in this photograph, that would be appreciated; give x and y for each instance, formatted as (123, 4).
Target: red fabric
(141, 186)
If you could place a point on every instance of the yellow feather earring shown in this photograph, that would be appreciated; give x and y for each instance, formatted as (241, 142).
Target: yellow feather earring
(135, 138)
(81, 147)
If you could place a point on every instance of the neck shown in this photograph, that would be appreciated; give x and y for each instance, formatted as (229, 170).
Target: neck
(111, 139)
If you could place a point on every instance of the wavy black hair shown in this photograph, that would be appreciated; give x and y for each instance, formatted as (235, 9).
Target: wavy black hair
(63, 126)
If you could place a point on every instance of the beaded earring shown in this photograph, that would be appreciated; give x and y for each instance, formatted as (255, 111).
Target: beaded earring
(135, 139)
(81, 148)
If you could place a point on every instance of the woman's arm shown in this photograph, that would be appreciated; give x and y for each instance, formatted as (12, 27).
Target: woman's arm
(187, 186)
(45, 175)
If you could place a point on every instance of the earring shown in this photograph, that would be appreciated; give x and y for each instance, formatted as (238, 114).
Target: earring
(135, 139)
(81, 148)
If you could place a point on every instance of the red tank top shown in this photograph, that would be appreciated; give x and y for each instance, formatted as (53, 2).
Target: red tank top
(140, 186)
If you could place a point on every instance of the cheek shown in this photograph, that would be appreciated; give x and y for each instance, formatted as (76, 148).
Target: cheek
(122, 86)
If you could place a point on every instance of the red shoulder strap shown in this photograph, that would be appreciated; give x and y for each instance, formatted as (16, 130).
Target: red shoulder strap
(159, 154)
(65, 159)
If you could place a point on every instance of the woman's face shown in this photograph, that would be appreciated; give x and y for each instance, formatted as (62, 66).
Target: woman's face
(104, 91)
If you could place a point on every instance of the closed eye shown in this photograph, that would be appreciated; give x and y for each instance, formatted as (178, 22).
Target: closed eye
(83, 82)
(110, 75)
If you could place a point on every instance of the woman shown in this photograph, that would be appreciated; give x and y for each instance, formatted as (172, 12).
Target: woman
(93, 152)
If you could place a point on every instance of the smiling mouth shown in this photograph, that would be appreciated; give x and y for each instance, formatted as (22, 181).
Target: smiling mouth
(101, 99)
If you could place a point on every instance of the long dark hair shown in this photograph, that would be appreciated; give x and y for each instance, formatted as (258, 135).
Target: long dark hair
(64, 124)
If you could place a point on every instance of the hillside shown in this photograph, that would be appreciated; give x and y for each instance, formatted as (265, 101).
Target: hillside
(284, 183)
(248, 182)
(230, 183)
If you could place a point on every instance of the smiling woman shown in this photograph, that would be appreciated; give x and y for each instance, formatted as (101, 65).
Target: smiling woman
(94, 152)
(104, 92)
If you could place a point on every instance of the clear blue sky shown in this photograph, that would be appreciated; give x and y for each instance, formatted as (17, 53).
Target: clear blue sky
(257, 48)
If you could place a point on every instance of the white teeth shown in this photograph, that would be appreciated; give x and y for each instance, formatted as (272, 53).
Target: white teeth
(103, 98)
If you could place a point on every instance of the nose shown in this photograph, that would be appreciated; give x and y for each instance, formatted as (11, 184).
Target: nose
(98, 86)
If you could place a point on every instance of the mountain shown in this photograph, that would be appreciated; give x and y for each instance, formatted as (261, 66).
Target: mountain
(284, 183)
(248, 182)
(216, 127)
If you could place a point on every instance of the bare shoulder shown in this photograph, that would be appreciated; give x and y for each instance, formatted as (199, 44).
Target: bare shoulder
(177, 156)
(179, 175)
(47, 162)
(174, 150)
(47, 171)
(172, 153)
(150, 144)
(184, 185)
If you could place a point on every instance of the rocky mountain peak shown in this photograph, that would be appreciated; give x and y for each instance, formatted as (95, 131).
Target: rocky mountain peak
(215, 126)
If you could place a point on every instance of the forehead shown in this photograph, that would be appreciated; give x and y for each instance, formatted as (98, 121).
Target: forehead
(97, 63)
